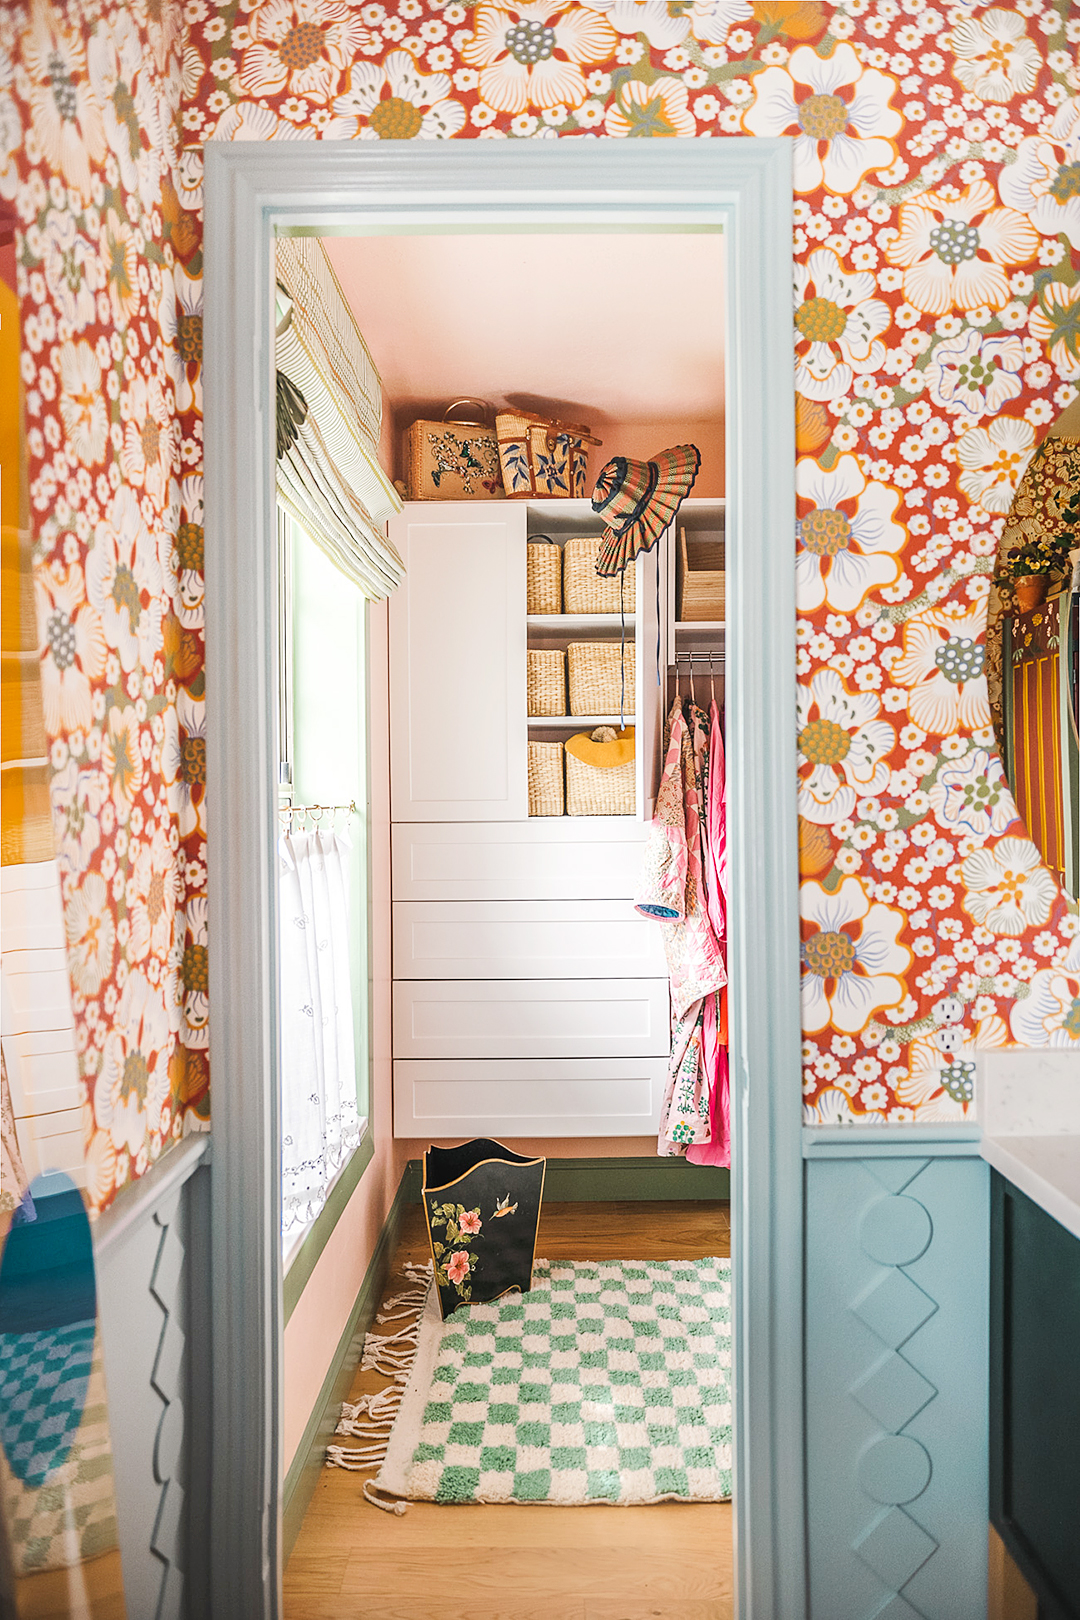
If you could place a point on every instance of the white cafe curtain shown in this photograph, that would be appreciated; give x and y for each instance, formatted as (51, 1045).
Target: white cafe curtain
(329, 418)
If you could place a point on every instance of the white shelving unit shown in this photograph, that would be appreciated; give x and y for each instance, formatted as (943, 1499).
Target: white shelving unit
(701, 519)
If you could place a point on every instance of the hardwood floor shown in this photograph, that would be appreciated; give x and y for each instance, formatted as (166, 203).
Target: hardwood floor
(671, 1561)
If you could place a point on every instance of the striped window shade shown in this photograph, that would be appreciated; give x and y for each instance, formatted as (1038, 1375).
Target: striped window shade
(1041, 748)
(329, 398)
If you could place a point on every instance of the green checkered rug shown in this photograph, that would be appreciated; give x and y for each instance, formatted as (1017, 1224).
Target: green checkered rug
(608, 1381)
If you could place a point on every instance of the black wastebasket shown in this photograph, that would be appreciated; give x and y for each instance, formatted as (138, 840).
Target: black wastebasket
(482, 1204)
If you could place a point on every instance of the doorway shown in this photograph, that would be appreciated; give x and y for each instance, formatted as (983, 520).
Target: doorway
(744, 187)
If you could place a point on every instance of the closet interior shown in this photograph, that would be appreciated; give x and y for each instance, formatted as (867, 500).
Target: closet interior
(530, 998)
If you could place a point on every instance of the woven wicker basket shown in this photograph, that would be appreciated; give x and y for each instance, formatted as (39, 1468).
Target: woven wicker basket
(543, 590)
(595, 677)
(701, 580)
(545, 682)
(584, 590)
(594, 791)
(546, 796)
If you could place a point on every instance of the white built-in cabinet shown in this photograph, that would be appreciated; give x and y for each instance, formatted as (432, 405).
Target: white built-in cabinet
(529, 997)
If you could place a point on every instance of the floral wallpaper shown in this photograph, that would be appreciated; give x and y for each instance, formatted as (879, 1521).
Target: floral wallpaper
(936, 324)
(107, 263)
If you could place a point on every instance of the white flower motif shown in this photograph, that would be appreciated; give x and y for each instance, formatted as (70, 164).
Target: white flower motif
(1008, 889)
(851, 945)
(994, 459)
(399, 115)
(190, 577)
(995, 60)
(11, 139)
(841, 323)
(713, 20)
(663, 25)
(152, 893)
(940, 1082)
(833, 1107)
(151, 436)
(975, 373)
(91, 933)
(302, 46)
(1044, 182)
(848, 542)
(193, 978)
(972, 794)
(956, 251)
(124, 582)
(656, 109)
(183, 761)
(133, 1085)
(1050, 1015)
(83, 409)
(942, 667)
(854, 131)
(74, 650)
(532, 55)
(121, 758)
(115, 59)
(243, 121)
(66, 118)
(73, 271)
(77, 797)
(181, 319)
(847, 748)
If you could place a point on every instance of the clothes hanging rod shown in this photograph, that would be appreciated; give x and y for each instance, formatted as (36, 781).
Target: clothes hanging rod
(699, 658)
(316, 811)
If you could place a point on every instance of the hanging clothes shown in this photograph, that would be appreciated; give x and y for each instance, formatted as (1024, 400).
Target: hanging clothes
(674, 889)
(717, 1149)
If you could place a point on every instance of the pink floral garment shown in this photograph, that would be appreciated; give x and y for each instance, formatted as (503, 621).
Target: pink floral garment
(717, 1149)
(695, 963)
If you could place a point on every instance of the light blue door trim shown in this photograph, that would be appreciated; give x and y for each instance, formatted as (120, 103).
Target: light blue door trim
(744, 186)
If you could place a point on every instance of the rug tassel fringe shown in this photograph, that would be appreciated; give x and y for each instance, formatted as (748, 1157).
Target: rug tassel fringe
(371, 1419)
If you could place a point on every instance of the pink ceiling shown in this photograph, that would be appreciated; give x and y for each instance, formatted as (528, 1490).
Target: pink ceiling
(606, 329)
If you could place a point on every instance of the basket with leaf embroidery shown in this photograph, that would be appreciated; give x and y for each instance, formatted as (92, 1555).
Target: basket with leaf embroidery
(540, 457)
(453, 461)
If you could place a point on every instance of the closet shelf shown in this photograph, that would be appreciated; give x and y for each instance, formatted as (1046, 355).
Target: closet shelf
(696, 626)
(578, 621)
(539, 722)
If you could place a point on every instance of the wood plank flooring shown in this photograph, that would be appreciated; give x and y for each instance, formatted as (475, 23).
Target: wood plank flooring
(671, 1561)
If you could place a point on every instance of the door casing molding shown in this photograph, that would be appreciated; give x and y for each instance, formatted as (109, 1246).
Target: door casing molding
(742, 184)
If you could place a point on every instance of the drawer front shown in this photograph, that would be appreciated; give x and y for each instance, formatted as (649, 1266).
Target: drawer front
(543, 939)
(538, 860)
(544, 1018)
(551, 1097)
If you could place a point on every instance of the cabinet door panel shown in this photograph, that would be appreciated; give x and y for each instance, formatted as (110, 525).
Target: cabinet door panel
(535, 860)
(531, 1018)
(498, 939)
(457, 664)
(552, 1097)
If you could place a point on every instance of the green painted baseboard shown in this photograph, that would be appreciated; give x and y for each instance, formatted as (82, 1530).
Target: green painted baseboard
(303, 1475)
(614, 1180)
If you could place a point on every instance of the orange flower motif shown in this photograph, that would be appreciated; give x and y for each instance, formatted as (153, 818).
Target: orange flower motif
(799, 21)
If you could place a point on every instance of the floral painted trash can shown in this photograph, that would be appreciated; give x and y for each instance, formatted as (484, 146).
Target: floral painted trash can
(482, 1205)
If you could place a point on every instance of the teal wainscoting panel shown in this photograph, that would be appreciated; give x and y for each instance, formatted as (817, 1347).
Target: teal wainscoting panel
(897, 1278)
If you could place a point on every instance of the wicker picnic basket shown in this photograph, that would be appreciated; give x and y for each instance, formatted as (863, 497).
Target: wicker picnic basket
(453, 460)
(545, 681)
(596, 677)
(541, 457)
(584, 590)
(546, 793)
(603, 788)
(544, 567)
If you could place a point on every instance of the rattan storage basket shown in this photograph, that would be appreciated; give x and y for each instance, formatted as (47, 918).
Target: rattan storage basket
(701, 580)
(543, 568)
(584, 590)
(546, 795)
(592, 791)
(596, 677)
(545, 681)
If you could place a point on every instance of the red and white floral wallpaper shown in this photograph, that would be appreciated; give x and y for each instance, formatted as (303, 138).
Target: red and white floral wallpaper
(936, 323)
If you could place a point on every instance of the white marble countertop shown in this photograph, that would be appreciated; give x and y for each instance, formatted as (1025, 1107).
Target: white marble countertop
(1029, 1108)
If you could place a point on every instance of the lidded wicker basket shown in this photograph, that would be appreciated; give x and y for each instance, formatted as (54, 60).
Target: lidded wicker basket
(602, 788)
(596, 677)
(584, 590)
(545, 681)
(544, 566)
(546, 794)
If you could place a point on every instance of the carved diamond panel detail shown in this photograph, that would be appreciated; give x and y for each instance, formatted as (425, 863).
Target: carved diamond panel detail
(895, 1547)
(894, 1307)
(895, 1174)
(893, 1392)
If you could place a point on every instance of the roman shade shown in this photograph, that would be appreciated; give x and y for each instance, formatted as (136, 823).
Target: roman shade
(329, 419)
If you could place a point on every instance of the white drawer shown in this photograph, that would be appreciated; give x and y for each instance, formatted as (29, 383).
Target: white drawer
(546, 1018)
(530, 1097)
(524, 939)
(561, 858)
